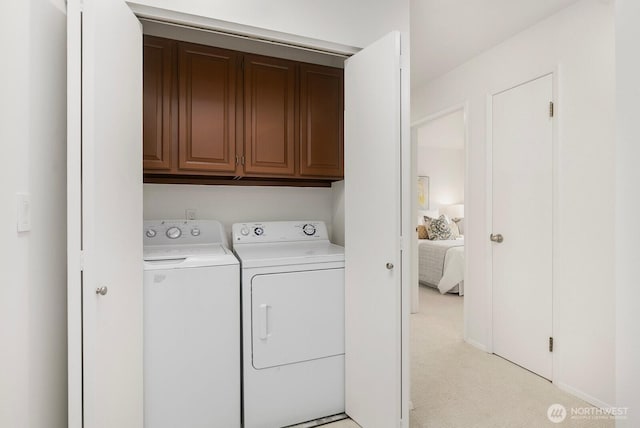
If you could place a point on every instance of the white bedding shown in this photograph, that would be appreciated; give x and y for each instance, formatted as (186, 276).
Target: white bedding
(453, 270)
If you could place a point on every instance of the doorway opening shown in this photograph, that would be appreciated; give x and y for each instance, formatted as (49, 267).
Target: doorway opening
(439, 145)
(440, 162)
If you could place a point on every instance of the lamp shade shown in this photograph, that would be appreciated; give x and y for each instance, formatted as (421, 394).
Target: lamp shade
(454, 211)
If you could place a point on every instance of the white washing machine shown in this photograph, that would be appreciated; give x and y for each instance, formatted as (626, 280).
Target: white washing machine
(191, 326)
(292, 322)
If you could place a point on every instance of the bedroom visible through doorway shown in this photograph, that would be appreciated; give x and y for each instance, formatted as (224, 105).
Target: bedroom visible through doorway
(440, 166)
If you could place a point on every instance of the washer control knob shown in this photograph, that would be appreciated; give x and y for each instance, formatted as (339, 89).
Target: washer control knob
(195, 231)
(258, 231)
(309, 229)
(244, 231)
(151, 233)
(174, 232)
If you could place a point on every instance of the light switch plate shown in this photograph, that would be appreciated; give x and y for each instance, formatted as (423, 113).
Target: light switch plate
(23, 204)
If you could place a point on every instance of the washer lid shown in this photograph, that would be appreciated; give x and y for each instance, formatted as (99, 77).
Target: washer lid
(288, 253)
(182, 256)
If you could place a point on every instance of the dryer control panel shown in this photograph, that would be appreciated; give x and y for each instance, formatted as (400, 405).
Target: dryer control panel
(279, 231)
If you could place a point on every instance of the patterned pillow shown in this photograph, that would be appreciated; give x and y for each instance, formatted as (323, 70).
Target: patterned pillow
(422, 232)
(439, 229)
(427, 221)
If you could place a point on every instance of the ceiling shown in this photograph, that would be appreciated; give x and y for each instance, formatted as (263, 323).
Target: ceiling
(447, 33)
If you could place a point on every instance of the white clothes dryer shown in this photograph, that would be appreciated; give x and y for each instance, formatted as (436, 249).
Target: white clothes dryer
(191, 326)
(293, 322)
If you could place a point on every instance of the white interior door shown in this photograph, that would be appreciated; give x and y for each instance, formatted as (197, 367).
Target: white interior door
(522, 213)
(376, 307)
(105, 214)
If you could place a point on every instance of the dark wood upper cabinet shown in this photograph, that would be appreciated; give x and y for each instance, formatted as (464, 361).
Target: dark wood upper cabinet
(158, 77)
(213, 115)
(206, 109)
(321, 121)
(269, 116)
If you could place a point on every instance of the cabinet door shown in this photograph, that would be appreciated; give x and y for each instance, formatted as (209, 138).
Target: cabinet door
(207, 109)
(321, 121)
(158, 81)
(269, 109)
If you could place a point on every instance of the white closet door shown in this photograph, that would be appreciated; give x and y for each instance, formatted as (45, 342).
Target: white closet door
(105, 213)
(522, 214)
(373, 226)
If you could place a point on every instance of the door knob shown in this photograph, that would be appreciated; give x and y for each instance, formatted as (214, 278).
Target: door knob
(496, 238)
(389, 266)
(101, 290)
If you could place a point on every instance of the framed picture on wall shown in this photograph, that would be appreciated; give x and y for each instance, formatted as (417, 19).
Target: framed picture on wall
(423, 193)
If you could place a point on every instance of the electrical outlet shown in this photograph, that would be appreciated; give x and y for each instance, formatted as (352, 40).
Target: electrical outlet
(190, 213)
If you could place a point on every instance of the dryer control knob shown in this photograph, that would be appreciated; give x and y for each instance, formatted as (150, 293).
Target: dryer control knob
(151, 233)
(244, 231)
(195, 231)
(309, 229)
(174, 232)
(258, 231)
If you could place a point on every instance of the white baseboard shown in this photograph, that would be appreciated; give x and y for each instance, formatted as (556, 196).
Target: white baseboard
(475, 344)
(582, 395)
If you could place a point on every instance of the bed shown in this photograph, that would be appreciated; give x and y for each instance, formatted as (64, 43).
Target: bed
(441, 264)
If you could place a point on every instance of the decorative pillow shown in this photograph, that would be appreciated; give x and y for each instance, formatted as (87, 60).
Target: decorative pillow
(455, 230)
(439, 229)
(426, 220)
(422, 232)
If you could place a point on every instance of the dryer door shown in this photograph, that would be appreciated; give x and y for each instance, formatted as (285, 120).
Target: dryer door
(297, 316)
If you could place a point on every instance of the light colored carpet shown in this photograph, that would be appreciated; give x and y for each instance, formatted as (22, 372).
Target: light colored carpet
(454, 385)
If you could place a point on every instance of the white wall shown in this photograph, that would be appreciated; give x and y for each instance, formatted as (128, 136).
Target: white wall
(232, 204)
(580, 41)
(33, 370)
(351, 23)
(627, 209)
(441, 158)
(445, 169)
(337, 221)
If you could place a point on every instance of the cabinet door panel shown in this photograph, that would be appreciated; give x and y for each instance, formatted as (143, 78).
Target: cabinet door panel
(269, 109)
(207, 109)
(321, 121)
(158, 79)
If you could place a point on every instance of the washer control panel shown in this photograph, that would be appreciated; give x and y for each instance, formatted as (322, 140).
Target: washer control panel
(279, 231)
(178, 232)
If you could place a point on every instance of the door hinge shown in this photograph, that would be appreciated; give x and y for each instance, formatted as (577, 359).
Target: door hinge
(551, 109)
(551, 344)
(81, 261)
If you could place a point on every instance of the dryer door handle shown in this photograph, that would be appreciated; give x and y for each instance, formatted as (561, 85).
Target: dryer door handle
(264, 321)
